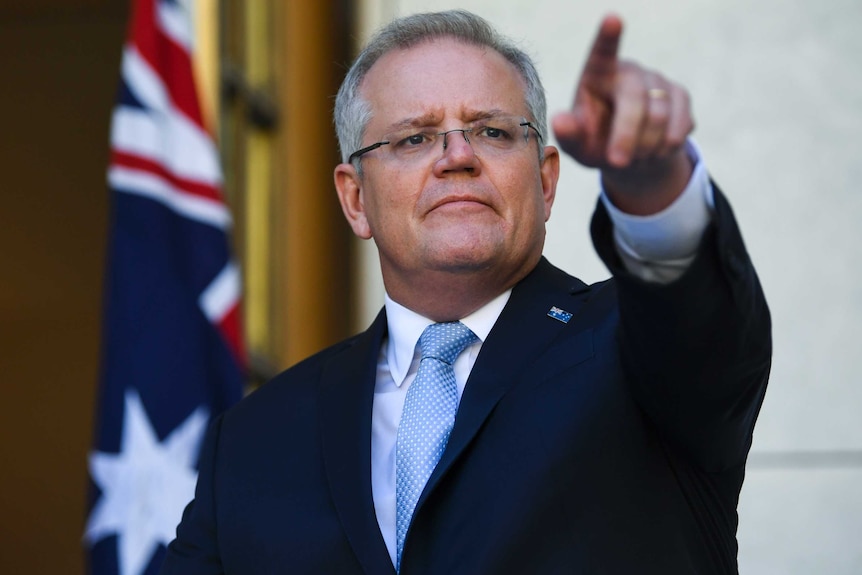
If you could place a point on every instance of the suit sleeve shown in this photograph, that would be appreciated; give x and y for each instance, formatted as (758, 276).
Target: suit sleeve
(195, 549)
(697, 351)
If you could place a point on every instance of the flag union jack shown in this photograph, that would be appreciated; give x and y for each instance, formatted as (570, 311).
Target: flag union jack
(172, 351)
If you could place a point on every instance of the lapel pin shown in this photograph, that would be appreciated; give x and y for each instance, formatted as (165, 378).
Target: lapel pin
(560, 314)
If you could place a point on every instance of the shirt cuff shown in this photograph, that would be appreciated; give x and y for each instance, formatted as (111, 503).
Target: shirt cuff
(661, 246)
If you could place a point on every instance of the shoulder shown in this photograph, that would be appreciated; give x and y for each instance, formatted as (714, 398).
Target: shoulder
(293, 395)
(548, 278)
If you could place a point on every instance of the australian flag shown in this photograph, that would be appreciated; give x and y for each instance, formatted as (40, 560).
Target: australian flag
(172, 353)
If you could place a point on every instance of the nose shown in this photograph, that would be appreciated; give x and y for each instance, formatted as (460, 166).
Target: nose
(446, 137)
(458, 154)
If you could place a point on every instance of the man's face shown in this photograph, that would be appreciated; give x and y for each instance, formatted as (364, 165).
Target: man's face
(458, 212)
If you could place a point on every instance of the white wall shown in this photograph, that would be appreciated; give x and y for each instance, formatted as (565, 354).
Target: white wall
(777, 92)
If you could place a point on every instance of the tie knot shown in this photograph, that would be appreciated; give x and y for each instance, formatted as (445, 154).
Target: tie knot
(444, 341)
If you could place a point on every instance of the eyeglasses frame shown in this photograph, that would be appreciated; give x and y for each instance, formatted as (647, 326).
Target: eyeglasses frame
(358, 153)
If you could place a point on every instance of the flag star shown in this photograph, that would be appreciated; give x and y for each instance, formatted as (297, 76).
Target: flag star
(146, 486)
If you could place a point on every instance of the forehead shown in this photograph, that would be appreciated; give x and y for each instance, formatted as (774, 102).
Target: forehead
(441, 78)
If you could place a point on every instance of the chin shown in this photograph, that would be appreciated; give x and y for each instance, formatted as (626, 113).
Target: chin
(464, 259)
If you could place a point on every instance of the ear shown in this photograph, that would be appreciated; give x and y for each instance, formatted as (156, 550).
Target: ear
(348, 185)
(550, 173)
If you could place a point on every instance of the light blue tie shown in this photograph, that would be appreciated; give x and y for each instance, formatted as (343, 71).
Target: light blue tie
(427, 419)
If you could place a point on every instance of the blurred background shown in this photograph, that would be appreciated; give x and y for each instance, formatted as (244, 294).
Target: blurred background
(777, 91)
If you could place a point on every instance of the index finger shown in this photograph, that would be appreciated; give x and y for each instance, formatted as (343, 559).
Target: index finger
(601, 65)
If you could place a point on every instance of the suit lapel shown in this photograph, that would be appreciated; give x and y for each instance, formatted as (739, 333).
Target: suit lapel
(521, 334)
(347, 394)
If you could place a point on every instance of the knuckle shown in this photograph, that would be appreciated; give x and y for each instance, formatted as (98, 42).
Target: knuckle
(659, 115)
(674, 141)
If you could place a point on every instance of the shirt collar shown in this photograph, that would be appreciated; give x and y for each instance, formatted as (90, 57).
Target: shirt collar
(405, 327)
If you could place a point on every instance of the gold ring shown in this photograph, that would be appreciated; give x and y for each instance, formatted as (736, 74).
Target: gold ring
(657, 93)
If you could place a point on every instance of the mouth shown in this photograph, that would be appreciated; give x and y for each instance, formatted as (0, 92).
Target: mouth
(459, 197)
(460, 203)
(459, 209)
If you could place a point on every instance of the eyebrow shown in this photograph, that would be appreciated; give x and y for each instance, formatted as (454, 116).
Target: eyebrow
(429, 119)
(432, 119)
(485, 114)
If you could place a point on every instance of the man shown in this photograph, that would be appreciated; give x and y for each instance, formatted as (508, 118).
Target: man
(559, 427)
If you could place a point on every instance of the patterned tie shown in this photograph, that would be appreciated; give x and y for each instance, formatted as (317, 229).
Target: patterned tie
(427, 419)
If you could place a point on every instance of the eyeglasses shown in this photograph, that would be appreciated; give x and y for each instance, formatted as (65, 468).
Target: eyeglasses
(494, 136)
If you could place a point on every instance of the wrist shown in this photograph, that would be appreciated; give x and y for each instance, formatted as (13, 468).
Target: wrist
(649, 186)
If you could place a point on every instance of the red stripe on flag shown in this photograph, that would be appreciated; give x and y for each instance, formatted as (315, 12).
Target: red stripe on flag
(174, 66)
(230, 328)
(170, 60)
(185, 186)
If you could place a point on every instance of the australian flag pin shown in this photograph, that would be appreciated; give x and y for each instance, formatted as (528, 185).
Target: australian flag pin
(560, 314)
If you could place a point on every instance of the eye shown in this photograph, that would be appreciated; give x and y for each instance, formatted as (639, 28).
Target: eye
(413, 140)
(493, 133)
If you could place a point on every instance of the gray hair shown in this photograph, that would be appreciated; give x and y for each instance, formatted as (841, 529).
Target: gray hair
(352, 112)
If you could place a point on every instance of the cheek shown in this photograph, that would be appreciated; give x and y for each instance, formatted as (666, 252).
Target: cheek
(523, 197)
(387, 208)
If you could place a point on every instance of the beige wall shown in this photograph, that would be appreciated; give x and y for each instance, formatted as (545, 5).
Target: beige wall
(777, 90)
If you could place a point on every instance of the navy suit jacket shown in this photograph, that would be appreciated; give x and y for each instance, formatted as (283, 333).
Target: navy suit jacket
(611, 444)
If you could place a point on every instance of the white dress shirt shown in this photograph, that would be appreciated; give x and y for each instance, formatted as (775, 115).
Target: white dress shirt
(657, 248)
